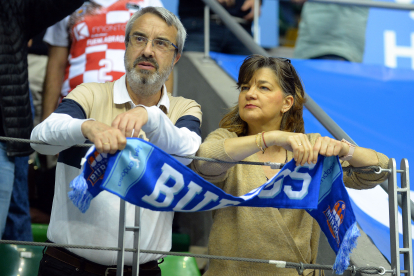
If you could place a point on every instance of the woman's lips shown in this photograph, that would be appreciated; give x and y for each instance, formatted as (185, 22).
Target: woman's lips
(250, 106)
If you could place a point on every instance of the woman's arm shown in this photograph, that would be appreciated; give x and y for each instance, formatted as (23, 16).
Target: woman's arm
(238, 148)
(213, 147)
(225, 145)
(366, 180)
(362, 157)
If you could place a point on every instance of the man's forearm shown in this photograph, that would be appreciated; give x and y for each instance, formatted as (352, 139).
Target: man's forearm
(60, 130)
(174, 140)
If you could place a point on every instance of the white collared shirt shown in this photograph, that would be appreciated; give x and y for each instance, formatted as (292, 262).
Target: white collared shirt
(121, 95)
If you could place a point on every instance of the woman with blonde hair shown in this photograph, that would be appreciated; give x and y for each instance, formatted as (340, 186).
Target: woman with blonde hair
(267, 125)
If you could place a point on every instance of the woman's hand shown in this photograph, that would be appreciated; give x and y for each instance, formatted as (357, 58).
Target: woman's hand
(303, 152)
(298, 143)
(329, 147)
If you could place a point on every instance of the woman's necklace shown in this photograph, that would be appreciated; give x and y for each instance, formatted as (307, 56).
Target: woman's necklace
(286, 156)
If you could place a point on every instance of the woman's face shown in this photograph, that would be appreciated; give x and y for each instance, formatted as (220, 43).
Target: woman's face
(261, 101)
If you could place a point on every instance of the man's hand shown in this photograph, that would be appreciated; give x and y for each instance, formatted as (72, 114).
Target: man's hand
(106, 139)
(249, 5)
(131, 122)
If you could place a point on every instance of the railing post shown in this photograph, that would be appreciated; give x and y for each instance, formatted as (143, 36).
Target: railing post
(137, 237)
(206, 32)
(121, 240)
(406, 219)
(256, 33)
(404, 191)
(393, 209)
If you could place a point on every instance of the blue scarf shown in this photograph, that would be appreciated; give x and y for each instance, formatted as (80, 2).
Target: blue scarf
(146, 176)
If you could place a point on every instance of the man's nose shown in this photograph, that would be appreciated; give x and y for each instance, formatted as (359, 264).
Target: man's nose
(148, 49)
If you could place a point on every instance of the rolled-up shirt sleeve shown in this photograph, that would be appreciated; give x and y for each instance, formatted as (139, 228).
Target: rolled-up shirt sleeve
(182, 139)
(61, 130)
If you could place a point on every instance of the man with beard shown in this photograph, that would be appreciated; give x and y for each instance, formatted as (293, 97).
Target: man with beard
(107, 113)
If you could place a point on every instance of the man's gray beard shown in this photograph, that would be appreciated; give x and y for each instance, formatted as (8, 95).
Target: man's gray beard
(144, 84)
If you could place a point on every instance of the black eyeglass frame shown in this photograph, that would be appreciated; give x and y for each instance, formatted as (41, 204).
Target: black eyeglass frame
(152, 40)
(284, 59)
(289, 65)
(287, 61)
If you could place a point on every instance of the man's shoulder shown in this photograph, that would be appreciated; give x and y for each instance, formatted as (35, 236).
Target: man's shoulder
(96, 86)
(180, 106)
(99, 85)
(178, 100)
(94, 90)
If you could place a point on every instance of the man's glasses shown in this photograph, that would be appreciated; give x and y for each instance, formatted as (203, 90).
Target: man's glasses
(159, 44)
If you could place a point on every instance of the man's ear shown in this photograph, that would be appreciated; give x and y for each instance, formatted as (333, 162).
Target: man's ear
(287, 103)
(177, 57)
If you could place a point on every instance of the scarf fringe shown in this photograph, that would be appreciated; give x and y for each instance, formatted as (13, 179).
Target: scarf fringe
(80, 196)
(349, 242)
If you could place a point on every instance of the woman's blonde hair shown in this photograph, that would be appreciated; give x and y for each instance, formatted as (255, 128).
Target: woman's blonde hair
(288, 80)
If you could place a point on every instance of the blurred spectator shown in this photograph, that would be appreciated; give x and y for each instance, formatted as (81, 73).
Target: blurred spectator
(289, 16)
(222, 40)
(36, 61)
(18, 223)
(88, 46)
(20, 20)
(330, 31)
(41, 167)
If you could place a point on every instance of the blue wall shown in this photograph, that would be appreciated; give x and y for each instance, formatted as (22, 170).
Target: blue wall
(390, 37)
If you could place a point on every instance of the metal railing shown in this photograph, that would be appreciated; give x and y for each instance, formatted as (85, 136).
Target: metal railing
(404, 191)
(395, 253)
(366, 3)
